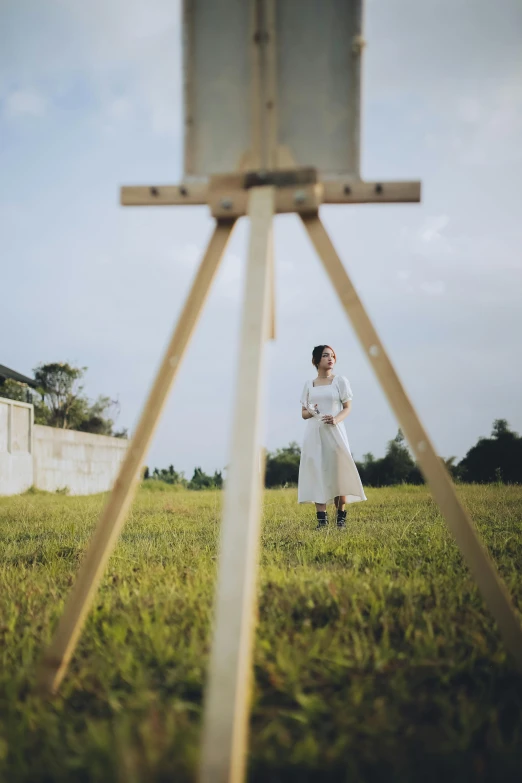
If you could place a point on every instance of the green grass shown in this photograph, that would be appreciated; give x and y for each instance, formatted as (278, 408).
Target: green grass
(375, 658)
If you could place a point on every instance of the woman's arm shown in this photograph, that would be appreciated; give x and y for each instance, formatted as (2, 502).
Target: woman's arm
(347, 406)
(306, 414)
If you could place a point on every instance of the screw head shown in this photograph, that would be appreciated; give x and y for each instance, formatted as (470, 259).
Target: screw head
(227, 203)
(300, 196)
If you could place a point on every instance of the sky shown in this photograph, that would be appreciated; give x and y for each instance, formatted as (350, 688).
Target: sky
(91, 99)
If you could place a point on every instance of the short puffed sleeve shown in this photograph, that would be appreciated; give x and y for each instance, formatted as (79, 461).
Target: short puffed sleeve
(345, 391)
(304, 395)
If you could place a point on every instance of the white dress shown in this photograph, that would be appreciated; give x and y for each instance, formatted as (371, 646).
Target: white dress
(327, 468)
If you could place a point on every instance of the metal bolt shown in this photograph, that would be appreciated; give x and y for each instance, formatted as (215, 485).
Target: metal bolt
(183, 191)
(300, 196)
(227, 203)
(261, 37)
(421, 445)
(154, 192)
(373, 350)
(358, 44)
(347, 190)
(378, 188)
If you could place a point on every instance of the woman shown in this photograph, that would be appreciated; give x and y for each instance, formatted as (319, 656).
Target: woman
(327, 471)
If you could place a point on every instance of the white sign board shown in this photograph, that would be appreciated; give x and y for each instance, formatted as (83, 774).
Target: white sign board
(314, 58)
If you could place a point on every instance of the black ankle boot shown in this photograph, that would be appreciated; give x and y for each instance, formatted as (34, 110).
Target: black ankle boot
(341, 519)
(322, 519)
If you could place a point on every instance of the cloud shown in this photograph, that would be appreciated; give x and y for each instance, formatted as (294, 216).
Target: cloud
(432, 229)
(470, 110)
(230, 274)
(429, 239)
(414, 44)
(139, 43)
(126, 55)
(120, 108)
(480, 124)
(433, 287)
(115, 113)
(24, 103)
(494, 125)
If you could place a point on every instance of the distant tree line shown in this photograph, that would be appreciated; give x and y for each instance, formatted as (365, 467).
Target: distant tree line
(494, 459)
(59, 401)
(199, 480)
(491, 460)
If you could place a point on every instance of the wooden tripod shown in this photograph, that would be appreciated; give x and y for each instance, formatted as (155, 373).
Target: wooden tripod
(260, 195)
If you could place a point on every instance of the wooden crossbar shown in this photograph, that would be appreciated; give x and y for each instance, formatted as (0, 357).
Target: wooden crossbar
(333, 192)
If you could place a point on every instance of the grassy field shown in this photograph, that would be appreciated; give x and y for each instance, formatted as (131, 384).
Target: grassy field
(375, 658)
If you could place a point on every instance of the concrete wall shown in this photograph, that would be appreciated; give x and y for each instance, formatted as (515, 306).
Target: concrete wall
(82, 462)
(50, 458)
(16, 441)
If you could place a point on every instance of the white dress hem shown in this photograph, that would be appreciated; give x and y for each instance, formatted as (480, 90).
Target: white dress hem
(349, 499)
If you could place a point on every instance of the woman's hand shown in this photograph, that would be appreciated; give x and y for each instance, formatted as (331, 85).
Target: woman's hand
(329, 420)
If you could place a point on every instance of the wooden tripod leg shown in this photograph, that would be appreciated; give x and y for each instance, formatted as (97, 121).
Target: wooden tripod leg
(225, 727)
(112, 518)
(443, 489)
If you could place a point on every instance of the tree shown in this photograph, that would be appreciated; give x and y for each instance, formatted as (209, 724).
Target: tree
(13, 390)
(63, 404)
(282, 466)
(201, 480)
(58, 384)
(168, 475)
(396, 467)
(453, 470)
(58, 400)
(501, 428)
(367, 469)
(95, 418)
(496, 458)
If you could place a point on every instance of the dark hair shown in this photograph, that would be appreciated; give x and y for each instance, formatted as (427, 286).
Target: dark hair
(317, 354)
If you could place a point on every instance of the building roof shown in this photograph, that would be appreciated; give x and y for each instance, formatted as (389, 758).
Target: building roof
(5, 373)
